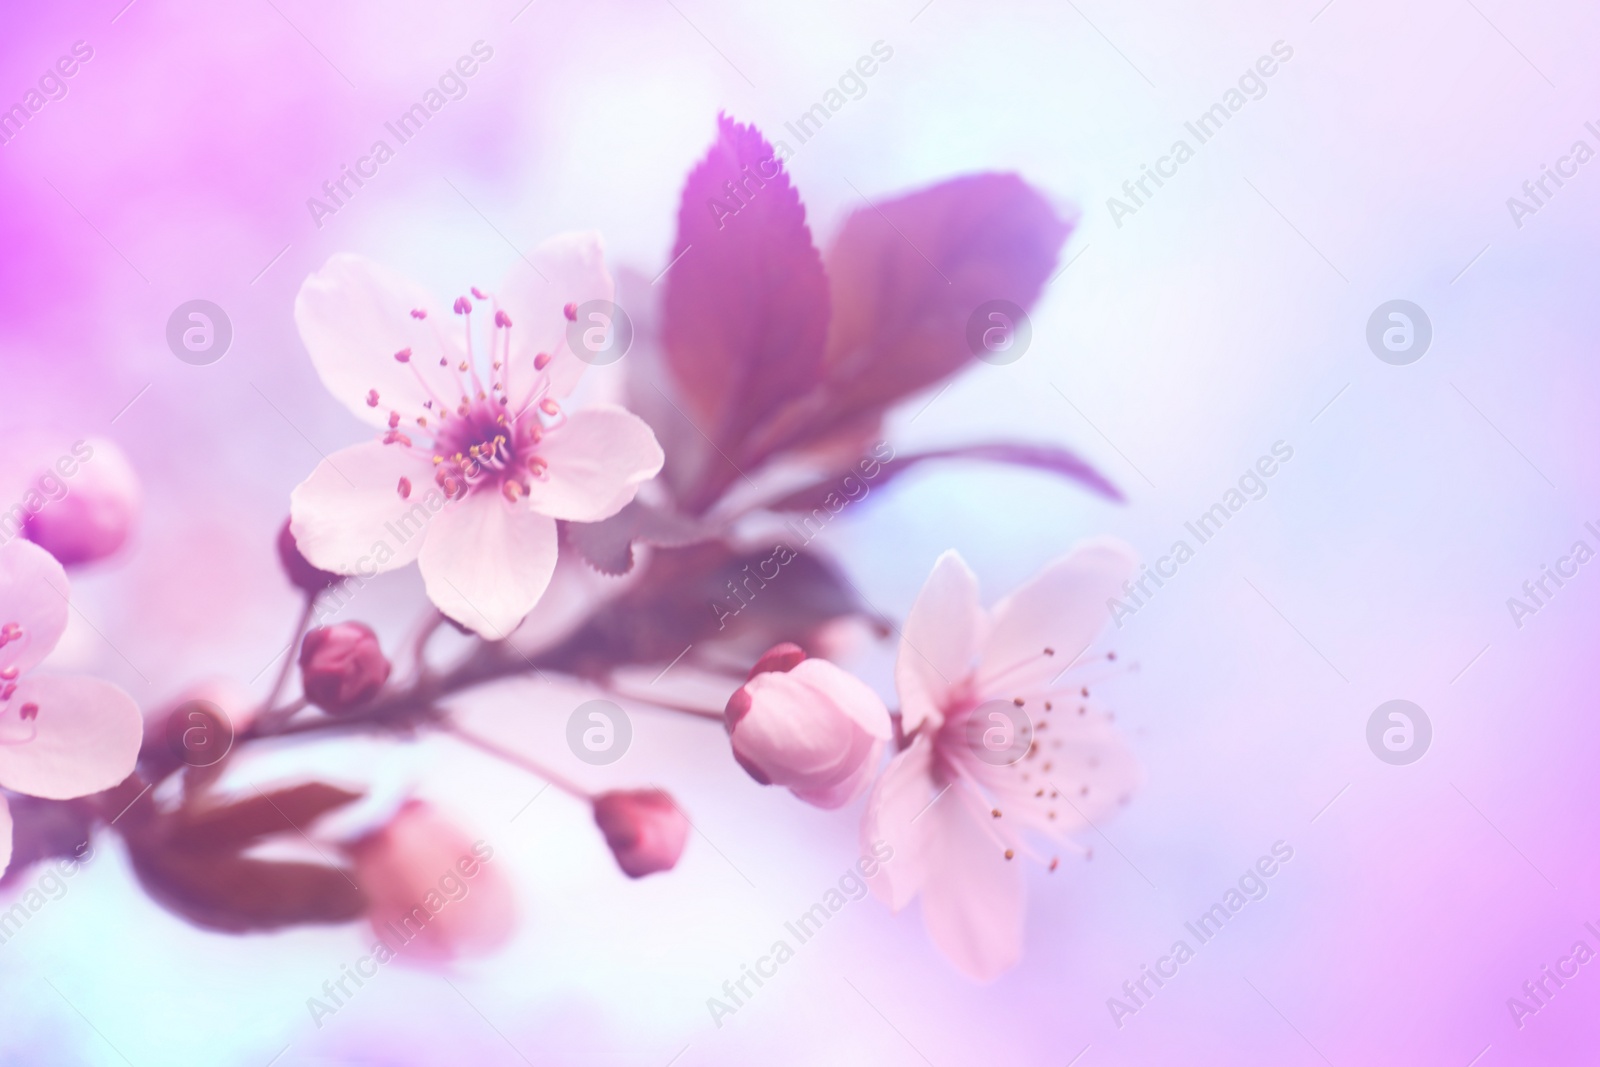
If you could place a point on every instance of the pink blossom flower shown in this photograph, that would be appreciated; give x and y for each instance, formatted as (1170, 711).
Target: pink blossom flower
(978, 776)
(644, 829)
(60, 737)
(477, 459)
(432, 893)
(808, 725)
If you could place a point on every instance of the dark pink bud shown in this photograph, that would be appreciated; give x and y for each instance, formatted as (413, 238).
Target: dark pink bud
(501, 319)
(301, 573)
(342, 667)
(644, 828)
(781, 657)
(463, 306)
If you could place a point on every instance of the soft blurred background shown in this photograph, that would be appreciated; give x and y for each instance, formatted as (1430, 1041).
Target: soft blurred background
(1228, 313)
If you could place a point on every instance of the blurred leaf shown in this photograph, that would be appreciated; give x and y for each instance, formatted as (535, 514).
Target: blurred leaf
(607, 546)
(239, 824)
(191, 860)
(907, 274)
(45, 829)
(746, 309)
(1050, 458)
(235, 894)
(675, 604)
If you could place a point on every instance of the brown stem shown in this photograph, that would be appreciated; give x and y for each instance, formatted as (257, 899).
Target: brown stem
(289, 657)
(419, 641)
(664, 705)
(516, 759)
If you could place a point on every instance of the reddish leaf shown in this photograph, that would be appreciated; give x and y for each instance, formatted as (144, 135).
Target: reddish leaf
(228, 892)
(746, 308)
(237, 825)
(44, 830)
(1049, 458)
(907, 274)
(191, 861)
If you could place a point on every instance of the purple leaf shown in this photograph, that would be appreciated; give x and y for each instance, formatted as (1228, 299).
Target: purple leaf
(746, 308)
(1050, 458)
(906, 275)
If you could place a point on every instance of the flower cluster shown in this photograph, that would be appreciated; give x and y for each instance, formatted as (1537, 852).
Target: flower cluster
(761, 385)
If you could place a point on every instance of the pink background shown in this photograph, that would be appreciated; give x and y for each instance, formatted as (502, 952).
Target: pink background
(1222, 317)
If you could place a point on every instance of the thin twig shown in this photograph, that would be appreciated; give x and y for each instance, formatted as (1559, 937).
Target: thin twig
(516, 759)
(289, 657)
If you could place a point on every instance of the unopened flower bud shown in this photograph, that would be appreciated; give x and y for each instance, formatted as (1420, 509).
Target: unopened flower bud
(301, 573)
(644, 829)
(87, 514)
(342, 667)
(433, 894)
(809, 726)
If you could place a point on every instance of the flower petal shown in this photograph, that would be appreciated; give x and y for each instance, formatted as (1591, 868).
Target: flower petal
(972, 897)
(354, 315)
(33, 594)
(598, 459)
(349, 516)
(854, 697)
(938, 641)
(88, 738)
(1061, 608)
(486, 562)
(5, 835)
(895, 817)
(569, 268)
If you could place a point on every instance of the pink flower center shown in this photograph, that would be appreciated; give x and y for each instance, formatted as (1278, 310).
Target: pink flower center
(479, 435)
(1016, 750)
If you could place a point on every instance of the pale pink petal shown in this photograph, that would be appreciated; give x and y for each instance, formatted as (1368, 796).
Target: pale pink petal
(848, 777)
(567, 269)
(5, 835)
(938, 642)
(854, 697)
(87, 739)
(816, 729)
(487, 561)
(972, 896)
(435, 894)
(1095, 768)
(354, 316)
(598, 459)
(896, 816)
(1061, 608)
(349, 517)
(33, 595)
